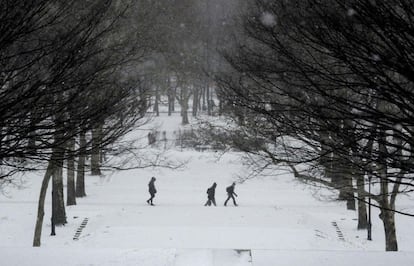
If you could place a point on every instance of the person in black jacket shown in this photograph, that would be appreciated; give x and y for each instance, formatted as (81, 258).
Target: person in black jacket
(211, 191)
(152, 190)
(231, 194)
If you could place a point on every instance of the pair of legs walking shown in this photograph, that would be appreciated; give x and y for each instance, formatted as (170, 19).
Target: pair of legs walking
(230, 196)
(149, 201)
(209, 201)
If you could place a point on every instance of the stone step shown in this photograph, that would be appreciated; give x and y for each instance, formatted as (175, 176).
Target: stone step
(80, 228)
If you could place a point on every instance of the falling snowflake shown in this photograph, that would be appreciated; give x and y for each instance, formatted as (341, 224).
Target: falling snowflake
(351, 12)
(375, 57)
(268, 19)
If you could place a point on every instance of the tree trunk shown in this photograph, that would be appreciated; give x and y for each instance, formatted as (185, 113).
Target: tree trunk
(71, 191)
(349, 189)
(362, 208)
(185, 95)
(208, 99)
(343, 182)
(388, 219)
(80, 173)
(350, 142)
(221, 107)
(96, 151)
(184, 108)
(341, 179)
(173, 96)
(170, 102)
(386, 215)
(335, 178)
(195, 102)
(58, 196)
(41, 203)
(157, 100)
(199, 98)
(184, 112)
(325, 154)
(204, 98)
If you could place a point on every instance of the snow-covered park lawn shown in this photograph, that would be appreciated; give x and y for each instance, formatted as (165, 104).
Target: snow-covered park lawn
(279, 221)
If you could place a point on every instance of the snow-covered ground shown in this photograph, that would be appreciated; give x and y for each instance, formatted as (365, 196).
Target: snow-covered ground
(279, 221)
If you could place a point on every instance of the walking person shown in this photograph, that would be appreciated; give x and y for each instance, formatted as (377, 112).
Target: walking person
(211, 191)
(152, 190)
(231, 194)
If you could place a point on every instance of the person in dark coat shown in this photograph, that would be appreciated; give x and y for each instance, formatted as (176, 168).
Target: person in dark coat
(152, 190)
(211, 191)
(231, 194)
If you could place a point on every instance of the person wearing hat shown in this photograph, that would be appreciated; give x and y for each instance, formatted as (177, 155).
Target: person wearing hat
(152, 190)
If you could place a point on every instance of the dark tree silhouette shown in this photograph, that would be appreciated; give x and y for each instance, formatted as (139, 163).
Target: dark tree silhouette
(328, 84)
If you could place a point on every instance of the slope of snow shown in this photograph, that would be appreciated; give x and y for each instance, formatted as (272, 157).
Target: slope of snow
(279, 221)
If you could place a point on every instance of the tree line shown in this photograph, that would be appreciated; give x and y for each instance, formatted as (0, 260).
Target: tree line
(326, 88)
(70, 89)
(322, 87)
(76, 76)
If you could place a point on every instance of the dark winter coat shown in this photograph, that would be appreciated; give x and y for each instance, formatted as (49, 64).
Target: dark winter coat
(151, 187)
(230, 190)
(211, 191)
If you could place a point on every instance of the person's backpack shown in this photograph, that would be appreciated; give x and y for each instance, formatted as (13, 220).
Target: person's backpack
(228, 189)
(208, 190)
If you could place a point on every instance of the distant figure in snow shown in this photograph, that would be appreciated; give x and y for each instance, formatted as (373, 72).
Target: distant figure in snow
(231, 194)
(152, 190)
(211, 191)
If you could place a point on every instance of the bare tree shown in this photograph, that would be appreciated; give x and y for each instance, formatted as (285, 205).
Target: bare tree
(328, 88)
(93, 92)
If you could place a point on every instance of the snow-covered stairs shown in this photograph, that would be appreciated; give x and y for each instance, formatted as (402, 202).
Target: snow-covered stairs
(213, 257)
(79, 230)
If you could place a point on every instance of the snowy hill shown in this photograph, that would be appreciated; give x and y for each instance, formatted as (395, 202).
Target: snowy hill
(279, 221)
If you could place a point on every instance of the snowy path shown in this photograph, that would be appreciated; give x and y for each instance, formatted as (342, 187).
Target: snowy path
(203, 227)
(278, 222)
(179, 220)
